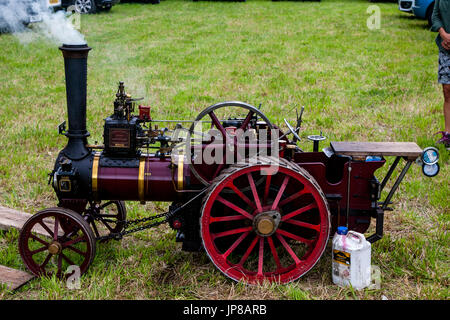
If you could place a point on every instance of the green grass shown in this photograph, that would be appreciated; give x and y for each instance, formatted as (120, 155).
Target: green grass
(355, 83)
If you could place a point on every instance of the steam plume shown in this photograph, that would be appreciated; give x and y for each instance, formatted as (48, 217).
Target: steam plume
(55, 26)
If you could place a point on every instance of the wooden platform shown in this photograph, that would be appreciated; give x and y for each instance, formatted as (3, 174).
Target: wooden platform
(361, 149)
(13, 278)
(10, 218)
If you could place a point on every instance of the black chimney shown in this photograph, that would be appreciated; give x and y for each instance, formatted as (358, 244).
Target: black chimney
(75, 63)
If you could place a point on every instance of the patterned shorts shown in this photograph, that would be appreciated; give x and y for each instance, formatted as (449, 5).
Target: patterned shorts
(444, 67)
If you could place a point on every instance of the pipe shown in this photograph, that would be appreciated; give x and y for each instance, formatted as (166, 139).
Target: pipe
(75, 64)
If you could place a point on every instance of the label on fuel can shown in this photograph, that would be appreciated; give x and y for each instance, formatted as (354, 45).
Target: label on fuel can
(341, 265)
(341, 257)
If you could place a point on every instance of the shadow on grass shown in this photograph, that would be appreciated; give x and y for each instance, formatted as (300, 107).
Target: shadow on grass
(416, 22)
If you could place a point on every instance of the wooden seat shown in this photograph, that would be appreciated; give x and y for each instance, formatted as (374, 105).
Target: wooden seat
(409, 150)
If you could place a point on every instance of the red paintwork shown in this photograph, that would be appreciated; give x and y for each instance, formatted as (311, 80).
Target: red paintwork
(320, 167)
(118, 183)
(122, 183)
(317, 164)
(144, 113)
(176, 224)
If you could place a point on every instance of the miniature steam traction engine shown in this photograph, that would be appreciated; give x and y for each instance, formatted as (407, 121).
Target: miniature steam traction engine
(258, 216)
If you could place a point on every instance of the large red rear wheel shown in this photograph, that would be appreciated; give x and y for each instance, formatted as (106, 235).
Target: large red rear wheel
(260, 224)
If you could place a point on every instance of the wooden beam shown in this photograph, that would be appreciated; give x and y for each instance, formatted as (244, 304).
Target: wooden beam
(10, 218)
(13, 278)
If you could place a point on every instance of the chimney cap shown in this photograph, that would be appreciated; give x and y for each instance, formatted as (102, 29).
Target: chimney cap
(75, 50)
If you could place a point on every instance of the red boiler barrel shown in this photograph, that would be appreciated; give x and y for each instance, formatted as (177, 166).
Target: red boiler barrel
(154, 179)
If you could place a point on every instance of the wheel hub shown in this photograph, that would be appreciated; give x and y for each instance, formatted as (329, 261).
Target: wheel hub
(55, 247)
(266, 223)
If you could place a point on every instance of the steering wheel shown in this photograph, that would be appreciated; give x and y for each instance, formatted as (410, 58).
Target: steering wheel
(292, 130)
(206, 173)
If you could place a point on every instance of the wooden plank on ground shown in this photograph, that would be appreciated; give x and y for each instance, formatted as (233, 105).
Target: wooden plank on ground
(357, 149)
(10, 218)
(13, 278)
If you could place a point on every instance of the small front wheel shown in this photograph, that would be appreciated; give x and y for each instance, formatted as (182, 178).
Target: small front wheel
(54, 239)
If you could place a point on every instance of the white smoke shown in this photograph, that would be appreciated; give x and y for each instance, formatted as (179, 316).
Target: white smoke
(56, 26)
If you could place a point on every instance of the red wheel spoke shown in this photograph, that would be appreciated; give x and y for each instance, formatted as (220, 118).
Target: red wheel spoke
(230, 232)
(288, 249)
(241, 195)
(234, 207)
(304, 224)
(293, 197)
(67, 259)
(293, 236)
(46, 228)
(32, 236)
(274, 253)
(298, 211)
(55, 230)
(235, 244)
(247, 120)
(73, 241)
(81, 253)
(217, 123)
(38, 250)
(58, 274)
(261, 257)
(267, 188)
(47, 259)
(280, 192)
(247, 253)
(255, 192)
(226, 218)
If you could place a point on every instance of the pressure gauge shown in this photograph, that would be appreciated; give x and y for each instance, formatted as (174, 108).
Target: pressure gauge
(430, 155)
(430, 170)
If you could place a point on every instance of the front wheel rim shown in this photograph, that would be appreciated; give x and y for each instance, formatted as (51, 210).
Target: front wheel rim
(70, 242)
(83, 6)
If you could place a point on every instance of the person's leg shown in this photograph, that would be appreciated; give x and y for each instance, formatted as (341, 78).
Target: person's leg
(444, 79)
(446, 89)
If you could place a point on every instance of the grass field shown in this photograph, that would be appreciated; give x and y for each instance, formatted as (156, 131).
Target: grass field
(355, 83)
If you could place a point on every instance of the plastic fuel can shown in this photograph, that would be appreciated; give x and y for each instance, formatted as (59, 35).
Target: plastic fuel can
(351, 259)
